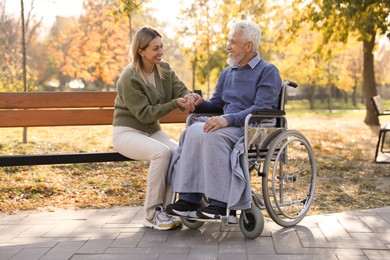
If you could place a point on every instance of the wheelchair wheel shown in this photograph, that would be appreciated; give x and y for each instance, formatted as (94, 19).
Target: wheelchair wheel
(191, 224)
(289, 181)
(270, 138)
(251, 222)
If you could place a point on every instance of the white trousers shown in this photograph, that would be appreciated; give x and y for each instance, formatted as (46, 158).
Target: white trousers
(156, 148)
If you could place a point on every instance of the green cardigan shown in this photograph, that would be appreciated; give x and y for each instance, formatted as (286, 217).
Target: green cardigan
(140, 105)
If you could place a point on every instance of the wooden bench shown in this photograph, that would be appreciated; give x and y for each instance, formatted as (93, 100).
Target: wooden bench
(46, 109)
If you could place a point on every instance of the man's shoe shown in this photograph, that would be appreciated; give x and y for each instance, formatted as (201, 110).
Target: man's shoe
(161, 221)
(215, 212)
(182, 208)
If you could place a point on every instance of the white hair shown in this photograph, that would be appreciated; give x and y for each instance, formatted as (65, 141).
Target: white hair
(249, 30)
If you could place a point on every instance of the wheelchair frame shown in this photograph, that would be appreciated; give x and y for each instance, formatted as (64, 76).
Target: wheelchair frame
(285, 162)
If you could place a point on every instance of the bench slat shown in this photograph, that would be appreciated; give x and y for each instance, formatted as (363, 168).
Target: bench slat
(70, 117)
(46, 159)
(74, 117)
(21, 100)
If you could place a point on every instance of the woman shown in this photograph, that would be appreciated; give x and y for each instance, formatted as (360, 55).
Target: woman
(149, 89)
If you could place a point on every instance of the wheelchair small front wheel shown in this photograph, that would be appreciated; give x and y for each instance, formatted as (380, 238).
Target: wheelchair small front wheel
(251, 222)
(191, 224)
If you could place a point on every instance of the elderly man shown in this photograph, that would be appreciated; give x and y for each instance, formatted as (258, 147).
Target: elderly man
(206, 161)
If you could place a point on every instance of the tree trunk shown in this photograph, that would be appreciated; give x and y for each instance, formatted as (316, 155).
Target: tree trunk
(369, 78)
(330, 107)
(311, 95)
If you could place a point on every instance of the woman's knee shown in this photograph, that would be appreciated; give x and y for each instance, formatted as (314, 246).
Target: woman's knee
(161, 153)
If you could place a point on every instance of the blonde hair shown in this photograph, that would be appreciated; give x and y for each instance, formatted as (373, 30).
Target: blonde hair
(141, 40)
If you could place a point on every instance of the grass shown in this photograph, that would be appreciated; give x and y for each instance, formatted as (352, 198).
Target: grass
(337, 104)
(344, 147)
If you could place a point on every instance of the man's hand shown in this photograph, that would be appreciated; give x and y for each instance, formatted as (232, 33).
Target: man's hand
(190, 101)
(215, 123)
(185, 103)
(198, 99)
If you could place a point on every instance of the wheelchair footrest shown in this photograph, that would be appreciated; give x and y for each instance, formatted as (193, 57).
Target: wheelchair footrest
(223, 220)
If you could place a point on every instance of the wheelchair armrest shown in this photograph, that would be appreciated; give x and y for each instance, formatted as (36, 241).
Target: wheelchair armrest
(200, 110)
(269, 112)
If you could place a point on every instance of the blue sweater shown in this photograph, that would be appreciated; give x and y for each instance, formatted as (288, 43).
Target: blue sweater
(240, 91)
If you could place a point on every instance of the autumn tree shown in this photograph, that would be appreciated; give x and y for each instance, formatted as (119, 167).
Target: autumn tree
(61, 47)
(127, 8)
(337, 19)
(103, 44)
(11, 48)
(204, 27)
(95, 48)
(10, 54)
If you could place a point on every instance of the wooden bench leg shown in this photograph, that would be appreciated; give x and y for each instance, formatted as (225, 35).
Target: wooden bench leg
(378, 145)
(383, 139)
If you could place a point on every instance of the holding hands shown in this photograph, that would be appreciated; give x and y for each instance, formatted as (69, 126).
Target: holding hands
(190, 101)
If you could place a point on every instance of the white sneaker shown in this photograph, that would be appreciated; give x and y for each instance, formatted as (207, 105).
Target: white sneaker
(161, 221)
(176, 220)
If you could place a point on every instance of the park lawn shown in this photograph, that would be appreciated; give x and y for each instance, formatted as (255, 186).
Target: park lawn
(344, 147)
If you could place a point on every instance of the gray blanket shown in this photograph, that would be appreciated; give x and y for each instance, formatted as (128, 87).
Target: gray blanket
(214, 164)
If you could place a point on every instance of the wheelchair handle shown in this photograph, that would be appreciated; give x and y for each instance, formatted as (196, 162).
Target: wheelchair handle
(290, 84)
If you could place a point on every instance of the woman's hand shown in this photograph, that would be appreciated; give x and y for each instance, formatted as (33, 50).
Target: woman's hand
(190, 101)
(184, 103)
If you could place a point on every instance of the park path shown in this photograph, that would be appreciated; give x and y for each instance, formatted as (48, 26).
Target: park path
(117, 233)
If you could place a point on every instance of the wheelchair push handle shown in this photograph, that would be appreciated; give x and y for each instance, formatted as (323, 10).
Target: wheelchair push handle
(290, 84)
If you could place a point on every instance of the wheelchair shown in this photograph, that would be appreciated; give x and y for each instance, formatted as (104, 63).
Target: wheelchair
(282, 169)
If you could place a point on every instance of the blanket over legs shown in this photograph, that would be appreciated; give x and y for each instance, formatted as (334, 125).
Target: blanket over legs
(214, 164)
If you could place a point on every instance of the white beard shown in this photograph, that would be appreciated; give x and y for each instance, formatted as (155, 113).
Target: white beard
(233, 61)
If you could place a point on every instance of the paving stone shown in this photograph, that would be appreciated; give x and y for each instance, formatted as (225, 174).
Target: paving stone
(116, 257)
(95, 246)
(232, 247)
(37, 230)
(203, 252)
(376, 224)
(172, 256)
(64, 228)
(352, 223)
(6, 252)
(162, 249)
(63, 250)
(118, 233)
(377, 254)
(31, 253)
(127, 240)
(332, 229)
(261, 245)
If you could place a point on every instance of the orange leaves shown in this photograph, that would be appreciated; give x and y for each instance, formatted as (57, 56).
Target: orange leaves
(84, 48)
